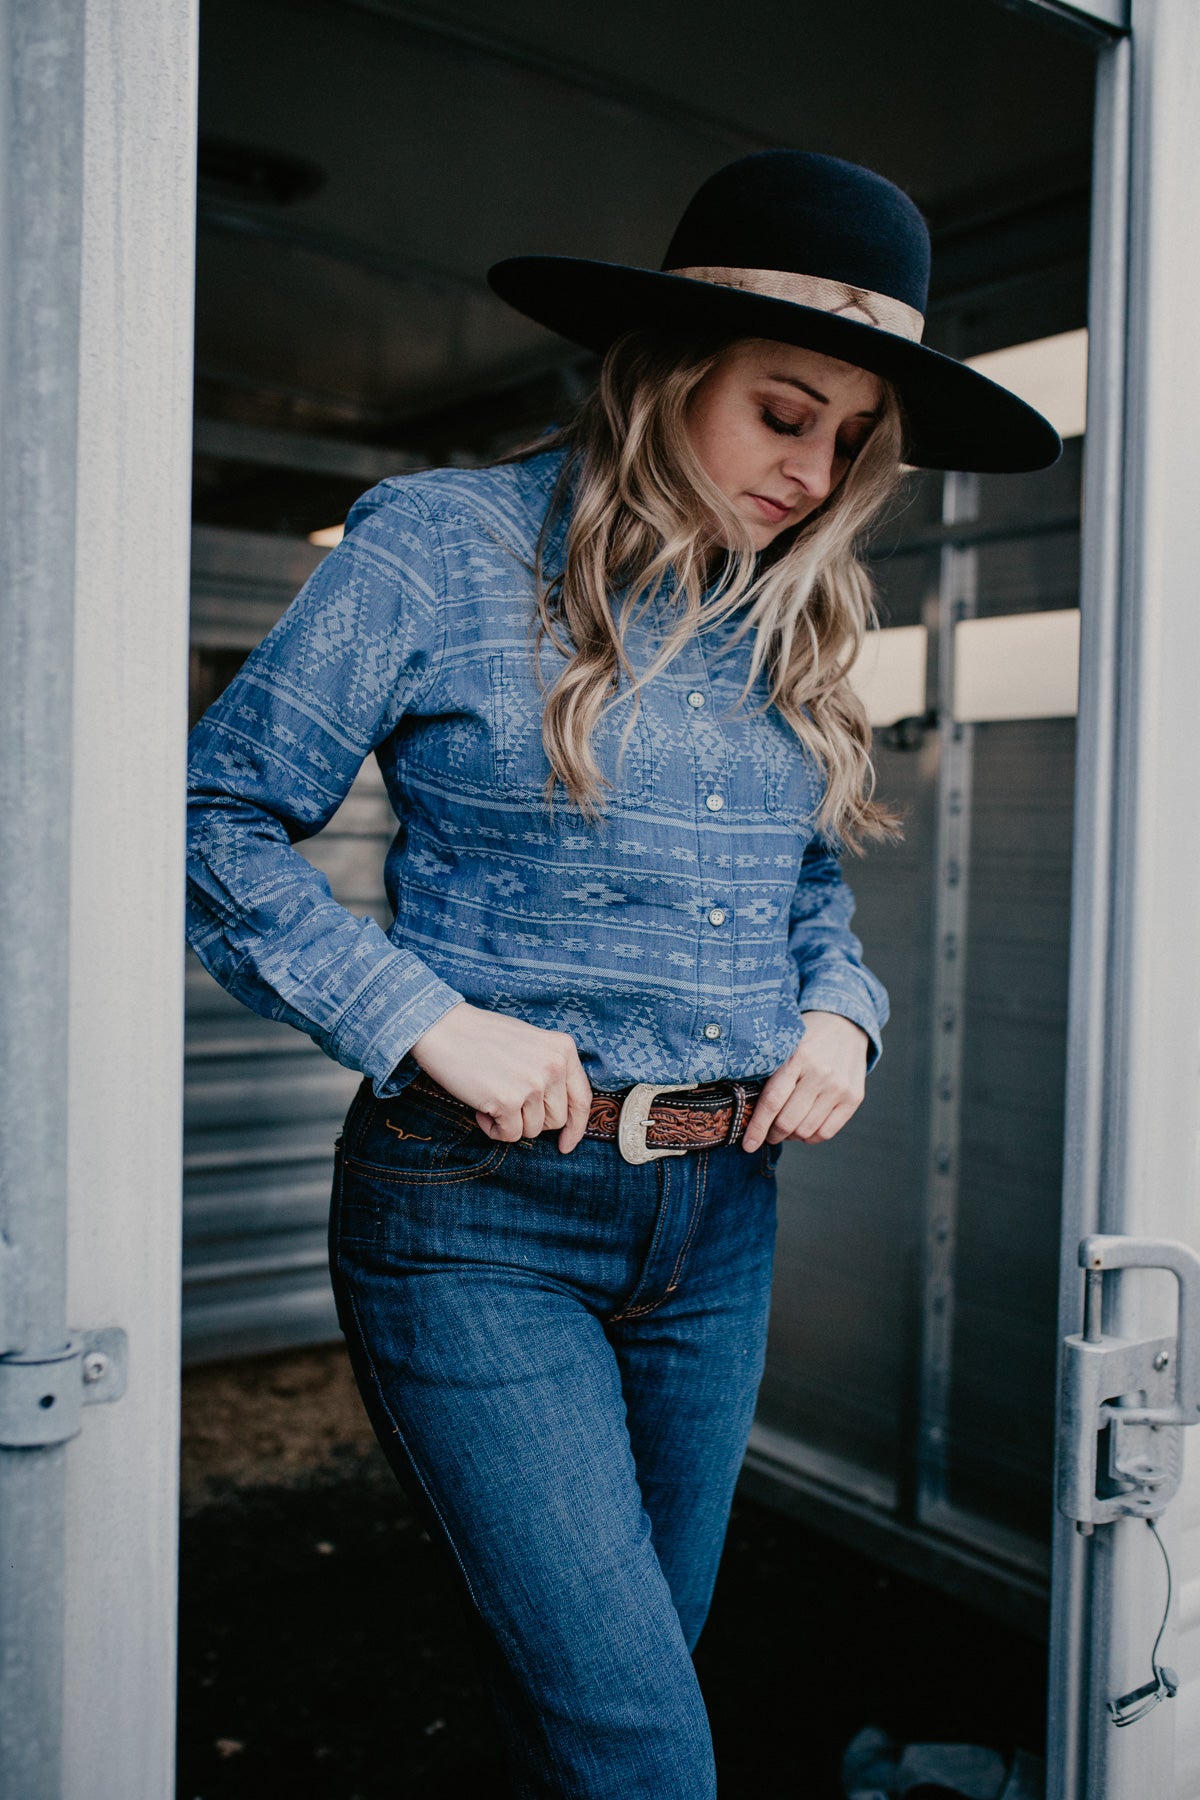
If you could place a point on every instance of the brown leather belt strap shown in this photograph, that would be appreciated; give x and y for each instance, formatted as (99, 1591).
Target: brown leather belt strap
(695, 1118)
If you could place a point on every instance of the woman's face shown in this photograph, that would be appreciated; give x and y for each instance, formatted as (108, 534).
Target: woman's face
(776, 428)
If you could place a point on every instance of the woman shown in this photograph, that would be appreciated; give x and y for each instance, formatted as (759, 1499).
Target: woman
(605, 682)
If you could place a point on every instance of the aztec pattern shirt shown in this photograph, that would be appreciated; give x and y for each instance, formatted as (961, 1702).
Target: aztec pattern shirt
(676, 940)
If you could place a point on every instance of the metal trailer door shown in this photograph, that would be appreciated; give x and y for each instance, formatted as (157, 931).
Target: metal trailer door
(1125, 1716)
(97, 229)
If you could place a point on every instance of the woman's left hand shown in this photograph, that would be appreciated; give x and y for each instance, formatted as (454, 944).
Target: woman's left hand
(817, 1089)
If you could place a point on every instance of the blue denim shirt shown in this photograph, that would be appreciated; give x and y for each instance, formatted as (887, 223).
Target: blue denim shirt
(677, 940)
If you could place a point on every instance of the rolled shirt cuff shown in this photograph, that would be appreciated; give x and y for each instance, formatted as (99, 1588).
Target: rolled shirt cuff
(381, 1026)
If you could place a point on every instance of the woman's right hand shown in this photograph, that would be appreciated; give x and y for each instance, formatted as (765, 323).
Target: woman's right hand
(520, 1079)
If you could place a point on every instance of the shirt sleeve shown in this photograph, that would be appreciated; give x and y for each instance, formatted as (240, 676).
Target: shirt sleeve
(833, 977)
(272, 760)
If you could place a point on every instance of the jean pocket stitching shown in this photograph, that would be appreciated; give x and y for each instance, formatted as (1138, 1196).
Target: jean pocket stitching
(388, 1172)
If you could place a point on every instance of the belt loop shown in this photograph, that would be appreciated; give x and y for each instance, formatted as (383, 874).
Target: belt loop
(741, 1102)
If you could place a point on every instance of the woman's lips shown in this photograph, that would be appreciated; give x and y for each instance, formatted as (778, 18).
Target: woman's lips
(772, 510)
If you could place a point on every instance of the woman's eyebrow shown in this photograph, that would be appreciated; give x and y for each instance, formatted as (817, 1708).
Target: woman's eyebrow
(792, 381)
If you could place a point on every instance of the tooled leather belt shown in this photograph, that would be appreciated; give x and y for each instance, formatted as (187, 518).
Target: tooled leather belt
(650, 1119)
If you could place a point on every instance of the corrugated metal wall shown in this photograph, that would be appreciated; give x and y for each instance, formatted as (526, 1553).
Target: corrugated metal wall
(911, 1361)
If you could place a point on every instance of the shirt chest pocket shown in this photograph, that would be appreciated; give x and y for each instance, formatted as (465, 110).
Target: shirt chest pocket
(793, 784)
(519, 762)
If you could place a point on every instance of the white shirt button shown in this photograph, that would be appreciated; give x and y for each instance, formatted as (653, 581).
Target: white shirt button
(712, 1031)
(714, 802)
(717, 915)
(695, 698)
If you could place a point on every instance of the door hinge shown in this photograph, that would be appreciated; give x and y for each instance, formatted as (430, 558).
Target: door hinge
(1125, 1401)
(41, 1397)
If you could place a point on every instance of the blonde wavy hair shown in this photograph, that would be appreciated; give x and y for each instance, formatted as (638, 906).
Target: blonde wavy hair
(639, 504)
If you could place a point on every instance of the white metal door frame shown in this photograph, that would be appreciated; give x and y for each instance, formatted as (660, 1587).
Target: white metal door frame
(1133, 1108)
(97, 192)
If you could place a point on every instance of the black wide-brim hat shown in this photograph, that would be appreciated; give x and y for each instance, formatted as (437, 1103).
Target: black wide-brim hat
(808, 250)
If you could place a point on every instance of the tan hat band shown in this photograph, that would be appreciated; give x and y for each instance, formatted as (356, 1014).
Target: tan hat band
(858, 304)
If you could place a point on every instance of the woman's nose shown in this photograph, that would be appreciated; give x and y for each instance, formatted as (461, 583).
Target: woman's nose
(810, 464)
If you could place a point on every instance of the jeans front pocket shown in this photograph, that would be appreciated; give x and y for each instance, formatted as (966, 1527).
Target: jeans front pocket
(770, 1155)
(415, 1138)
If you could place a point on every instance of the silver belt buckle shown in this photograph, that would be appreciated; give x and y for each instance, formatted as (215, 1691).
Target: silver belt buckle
(634, 1119)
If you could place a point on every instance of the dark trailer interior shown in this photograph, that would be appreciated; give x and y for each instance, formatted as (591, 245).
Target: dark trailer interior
(361, 163)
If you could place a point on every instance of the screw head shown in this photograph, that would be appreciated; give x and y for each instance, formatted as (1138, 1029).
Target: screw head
(95, 1366)
(1162, 1361)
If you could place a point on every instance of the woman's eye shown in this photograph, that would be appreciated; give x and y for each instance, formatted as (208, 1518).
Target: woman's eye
(780, 425)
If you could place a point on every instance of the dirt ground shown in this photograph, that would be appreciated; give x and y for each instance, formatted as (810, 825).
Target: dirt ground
(324, 1655)
(270, 1422)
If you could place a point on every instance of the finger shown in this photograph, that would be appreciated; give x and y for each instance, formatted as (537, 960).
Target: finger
(766, 1109)
(807, 1104)
(761, 1120)
(579, 1106)
(832, 1123)
(812, 1124)
(533, 1116)
(557, 1106)
(504, 1124)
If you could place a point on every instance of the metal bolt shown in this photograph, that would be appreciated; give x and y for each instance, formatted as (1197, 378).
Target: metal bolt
(1162, 1360)
(95, 1366)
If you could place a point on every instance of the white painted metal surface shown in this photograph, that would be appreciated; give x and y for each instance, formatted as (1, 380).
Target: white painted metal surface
(41, 82)
(122, 1092)
(889, 673)
(1017, 666)
(1134, 1108)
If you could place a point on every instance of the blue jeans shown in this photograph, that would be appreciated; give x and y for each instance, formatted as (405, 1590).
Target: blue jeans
(560, 1356)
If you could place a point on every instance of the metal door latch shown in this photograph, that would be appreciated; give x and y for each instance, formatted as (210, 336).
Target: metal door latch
(908, 733)
(41, 1396)
(1124, 1400)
